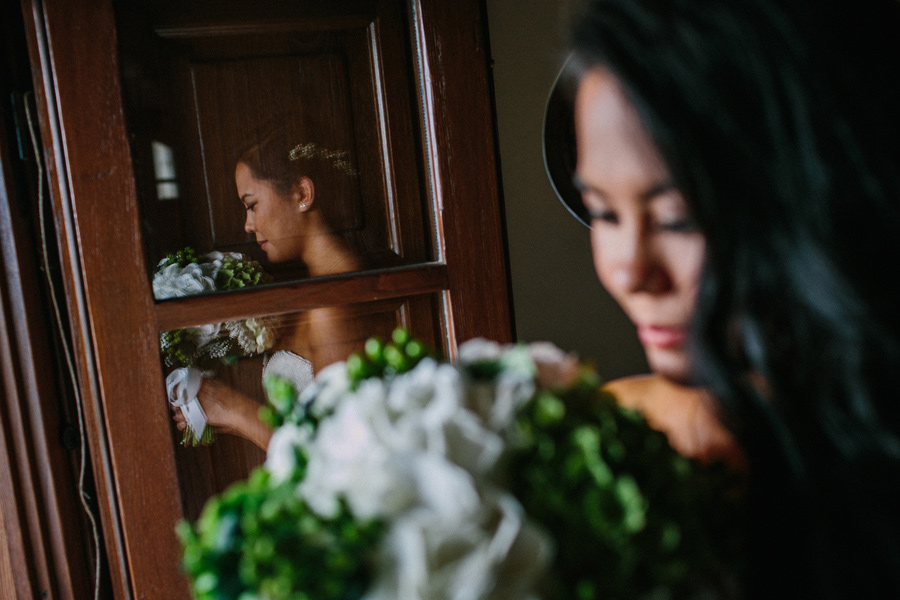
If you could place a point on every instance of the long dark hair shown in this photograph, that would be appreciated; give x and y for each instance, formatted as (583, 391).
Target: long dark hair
(778, 121)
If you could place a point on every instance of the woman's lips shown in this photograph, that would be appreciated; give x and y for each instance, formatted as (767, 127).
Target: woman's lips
(661, 337)
(262, 244)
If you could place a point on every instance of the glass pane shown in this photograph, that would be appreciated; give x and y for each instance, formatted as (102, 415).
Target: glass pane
(235, 354)
(276, 131)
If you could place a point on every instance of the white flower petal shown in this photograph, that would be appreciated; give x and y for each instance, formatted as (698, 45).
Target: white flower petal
(479, 349)
(281, 455)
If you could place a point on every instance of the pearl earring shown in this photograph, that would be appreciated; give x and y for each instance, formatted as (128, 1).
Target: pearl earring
(303, 206)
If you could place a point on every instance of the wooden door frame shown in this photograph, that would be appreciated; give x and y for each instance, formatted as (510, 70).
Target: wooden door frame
(46, 536)
(114, 320)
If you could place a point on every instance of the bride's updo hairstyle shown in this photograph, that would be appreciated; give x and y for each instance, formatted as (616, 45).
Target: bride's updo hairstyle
(779, 123)
(280, 152)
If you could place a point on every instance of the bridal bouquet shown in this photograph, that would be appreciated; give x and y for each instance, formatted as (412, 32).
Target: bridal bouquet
(193, 351)
(507, 475)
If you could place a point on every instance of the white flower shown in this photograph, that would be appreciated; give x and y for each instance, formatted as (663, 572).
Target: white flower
(173, 281)
(326, 391)
(471, 445)
(479, 349)
(488, 553)
(281, 455)
(253, 335)
(445, 489)
(554, 367)
(419, 452)
(205, 334)
(218, 257)
(513, 389)
(349, 460)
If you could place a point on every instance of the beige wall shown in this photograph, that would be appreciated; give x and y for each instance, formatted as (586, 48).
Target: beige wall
(556, 295)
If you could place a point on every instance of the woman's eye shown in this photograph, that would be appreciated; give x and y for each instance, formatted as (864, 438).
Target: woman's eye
(605, 216)
(251, 207)
(670, 212)
(684, 225)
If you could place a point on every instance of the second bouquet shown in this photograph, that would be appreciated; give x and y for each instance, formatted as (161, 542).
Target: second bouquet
(195, 352)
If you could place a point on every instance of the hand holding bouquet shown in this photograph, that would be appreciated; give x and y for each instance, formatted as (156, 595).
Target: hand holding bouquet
(196, 351)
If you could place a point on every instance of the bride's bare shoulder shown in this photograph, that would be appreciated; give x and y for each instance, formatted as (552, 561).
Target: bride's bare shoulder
(686, 415)
(631, 392)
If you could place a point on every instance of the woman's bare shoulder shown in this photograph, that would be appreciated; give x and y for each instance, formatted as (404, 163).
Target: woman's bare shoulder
(632, 391)
(686, 415)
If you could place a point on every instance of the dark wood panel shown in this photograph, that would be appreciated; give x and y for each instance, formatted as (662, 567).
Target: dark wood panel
(52, 549)
(456, 63)
(175, 18)
(110, 303)
(339, 290)
(25, 558)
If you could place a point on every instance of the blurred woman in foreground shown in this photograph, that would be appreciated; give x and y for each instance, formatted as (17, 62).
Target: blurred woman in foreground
(739, 164)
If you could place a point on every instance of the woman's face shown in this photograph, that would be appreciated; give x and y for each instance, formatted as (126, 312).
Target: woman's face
(647, 250)
(273, 217)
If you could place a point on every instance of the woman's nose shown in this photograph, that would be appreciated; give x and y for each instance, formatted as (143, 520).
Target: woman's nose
(635, 266)
(642, 272)
(248, 223)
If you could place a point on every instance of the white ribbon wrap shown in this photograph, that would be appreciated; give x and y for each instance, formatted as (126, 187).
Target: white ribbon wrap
(182, 386)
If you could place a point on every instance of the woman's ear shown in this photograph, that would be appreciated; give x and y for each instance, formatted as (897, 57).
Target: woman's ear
(303, 193)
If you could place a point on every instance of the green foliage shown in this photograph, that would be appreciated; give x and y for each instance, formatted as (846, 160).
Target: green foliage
(383, 359)
(206, 438)
(628, 513)
(282, 401)
(182, 258)
(239, 273)
(178, 347)
(258, 540)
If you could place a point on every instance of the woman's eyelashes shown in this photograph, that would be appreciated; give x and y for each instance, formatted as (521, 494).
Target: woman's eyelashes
(606, 216)
(679, 225)
(663, 209)
(675, 224)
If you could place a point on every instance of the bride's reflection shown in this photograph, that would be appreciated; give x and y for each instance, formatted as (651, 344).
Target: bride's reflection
(289, 189)
(279, 181)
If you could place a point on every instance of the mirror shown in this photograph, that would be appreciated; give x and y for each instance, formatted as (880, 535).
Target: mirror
(236, 355)
(305, 104)
(559, 147)
(273, 143)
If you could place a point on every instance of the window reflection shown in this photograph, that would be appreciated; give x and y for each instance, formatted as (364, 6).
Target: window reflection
(164, 171)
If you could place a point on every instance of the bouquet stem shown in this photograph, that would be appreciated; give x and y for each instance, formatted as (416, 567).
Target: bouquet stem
(206, 438)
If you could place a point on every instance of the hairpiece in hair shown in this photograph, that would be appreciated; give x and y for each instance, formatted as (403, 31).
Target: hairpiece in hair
(338, 158)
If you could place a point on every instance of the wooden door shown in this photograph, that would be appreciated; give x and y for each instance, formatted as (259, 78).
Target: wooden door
(398, 91)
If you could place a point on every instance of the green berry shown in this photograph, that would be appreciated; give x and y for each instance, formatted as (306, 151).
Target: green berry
(356, 367)
(400, 337)
(395, 358)
(375, 350)
(415, 350)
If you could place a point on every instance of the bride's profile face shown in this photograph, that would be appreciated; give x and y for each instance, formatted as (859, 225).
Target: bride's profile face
(646, 247)
(272, 217)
